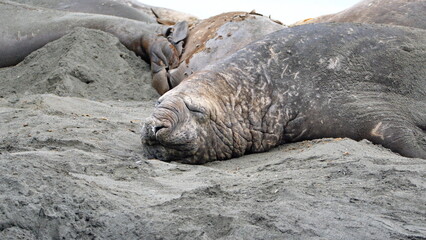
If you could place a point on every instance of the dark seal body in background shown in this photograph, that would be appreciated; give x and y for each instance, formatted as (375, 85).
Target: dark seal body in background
(118, 8)
(131, 9)
(409, 13)
(312, 81)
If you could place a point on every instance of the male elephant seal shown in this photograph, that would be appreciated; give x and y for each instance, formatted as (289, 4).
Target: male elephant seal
(311, 81)
(26, 28)
(409, 13)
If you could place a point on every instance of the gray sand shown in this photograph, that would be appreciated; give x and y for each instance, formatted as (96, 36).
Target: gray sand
(91, 65)
(71, 166)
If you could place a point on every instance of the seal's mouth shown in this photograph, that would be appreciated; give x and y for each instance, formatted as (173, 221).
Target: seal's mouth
(168, 135)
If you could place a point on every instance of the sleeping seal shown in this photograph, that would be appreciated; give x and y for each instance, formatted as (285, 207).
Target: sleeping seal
(312, 81)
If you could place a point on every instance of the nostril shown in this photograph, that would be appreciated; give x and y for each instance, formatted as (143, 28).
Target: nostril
(158, 128)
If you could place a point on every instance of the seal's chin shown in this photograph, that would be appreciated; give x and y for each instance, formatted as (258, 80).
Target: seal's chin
(154, 149)
(158, 151)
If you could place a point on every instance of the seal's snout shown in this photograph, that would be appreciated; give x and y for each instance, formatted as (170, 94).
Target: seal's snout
(154, 130)
(171, 132)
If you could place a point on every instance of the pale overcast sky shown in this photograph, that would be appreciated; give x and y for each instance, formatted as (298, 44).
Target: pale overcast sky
(287, 11)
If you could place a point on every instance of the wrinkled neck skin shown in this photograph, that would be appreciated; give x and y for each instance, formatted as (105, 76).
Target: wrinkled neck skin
(215, 115)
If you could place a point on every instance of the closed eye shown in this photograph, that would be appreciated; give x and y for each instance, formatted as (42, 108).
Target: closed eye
(195, 109)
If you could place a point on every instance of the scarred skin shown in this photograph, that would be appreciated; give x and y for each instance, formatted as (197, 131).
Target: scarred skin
(307, 82)
(26, 28)
(409, 13)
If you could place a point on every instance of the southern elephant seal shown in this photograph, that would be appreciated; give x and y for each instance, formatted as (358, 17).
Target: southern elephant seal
(409, 13)
(26, 28)
(212, 40)
(312, 81)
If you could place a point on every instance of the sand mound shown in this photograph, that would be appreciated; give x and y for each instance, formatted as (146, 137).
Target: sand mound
(85, 63)
(71, 166)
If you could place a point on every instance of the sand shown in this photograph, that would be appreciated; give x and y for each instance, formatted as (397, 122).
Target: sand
(72, 167)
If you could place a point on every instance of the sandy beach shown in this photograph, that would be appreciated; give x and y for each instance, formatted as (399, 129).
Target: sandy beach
(72, 166)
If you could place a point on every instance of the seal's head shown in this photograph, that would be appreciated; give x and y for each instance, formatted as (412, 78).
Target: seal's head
(194, 123)
(180, 128)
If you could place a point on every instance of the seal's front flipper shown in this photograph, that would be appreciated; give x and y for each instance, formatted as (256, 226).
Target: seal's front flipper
(178, 32)
(162, 52)
(165, 55)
